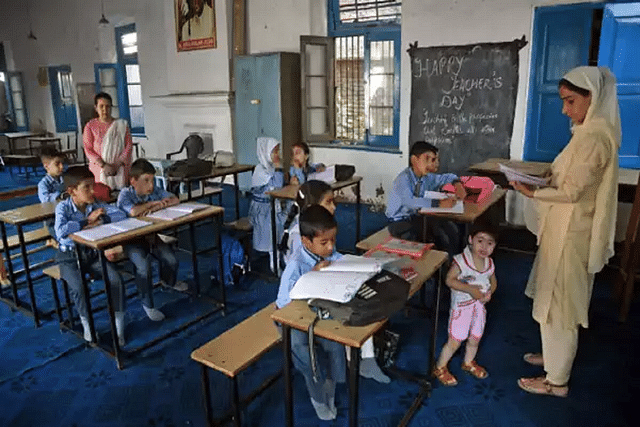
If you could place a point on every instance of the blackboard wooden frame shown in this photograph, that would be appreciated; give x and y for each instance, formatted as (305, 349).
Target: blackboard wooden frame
(463, 100)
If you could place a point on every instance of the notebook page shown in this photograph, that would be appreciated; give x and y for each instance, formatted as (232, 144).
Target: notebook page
(338, 286)
(355, 263)
(97, 233)
(128, 224)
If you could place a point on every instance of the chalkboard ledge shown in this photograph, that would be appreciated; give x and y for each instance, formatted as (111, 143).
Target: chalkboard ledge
(391, 150)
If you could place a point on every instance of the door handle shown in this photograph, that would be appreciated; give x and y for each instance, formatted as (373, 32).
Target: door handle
(255, 101)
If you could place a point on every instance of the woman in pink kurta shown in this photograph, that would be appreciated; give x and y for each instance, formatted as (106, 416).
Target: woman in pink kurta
(575, 224)
(107, 145)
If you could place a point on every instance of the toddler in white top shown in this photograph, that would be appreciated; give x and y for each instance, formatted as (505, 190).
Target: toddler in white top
(472, 281)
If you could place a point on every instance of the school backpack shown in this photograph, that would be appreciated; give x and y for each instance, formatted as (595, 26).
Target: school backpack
(188, 168)
(234, 260)
(378, 298)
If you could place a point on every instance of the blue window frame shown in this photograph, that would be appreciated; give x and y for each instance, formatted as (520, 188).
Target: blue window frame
(130, 86)
(366, 70)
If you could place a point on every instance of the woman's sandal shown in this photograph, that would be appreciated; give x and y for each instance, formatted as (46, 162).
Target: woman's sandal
(474, 369)
(534, 359)
(541, 385)
(445, 377)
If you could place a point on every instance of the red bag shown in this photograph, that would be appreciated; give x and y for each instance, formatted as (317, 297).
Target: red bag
(479, 188)
(102, 192)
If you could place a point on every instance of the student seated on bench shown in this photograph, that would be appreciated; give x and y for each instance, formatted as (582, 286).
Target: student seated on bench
(78, 210)
(318, 231)
(140, 198)
(407, 197)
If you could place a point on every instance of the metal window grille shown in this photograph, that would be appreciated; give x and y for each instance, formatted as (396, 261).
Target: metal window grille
(350, 88)
(352, 11)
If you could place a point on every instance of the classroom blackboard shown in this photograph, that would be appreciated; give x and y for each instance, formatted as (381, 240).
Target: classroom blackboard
(463, 100)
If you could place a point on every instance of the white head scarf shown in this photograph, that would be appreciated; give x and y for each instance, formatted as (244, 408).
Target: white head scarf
(265, 170)
(603, 115)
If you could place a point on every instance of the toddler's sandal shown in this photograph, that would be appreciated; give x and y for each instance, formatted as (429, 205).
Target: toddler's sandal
(445, 377)
(541, 385)
(474, 369)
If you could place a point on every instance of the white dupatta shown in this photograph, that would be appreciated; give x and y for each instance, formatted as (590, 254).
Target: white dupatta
(112, 148)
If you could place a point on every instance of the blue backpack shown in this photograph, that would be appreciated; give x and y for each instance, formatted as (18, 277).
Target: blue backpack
(234, 260)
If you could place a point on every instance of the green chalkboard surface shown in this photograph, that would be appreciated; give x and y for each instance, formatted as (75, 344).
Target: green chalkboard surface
(463, 100)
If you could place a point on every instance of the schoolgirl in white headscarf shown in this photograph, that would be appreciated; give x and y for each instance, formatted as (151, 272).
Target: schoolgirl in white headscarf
(576, 224)
(267, 176)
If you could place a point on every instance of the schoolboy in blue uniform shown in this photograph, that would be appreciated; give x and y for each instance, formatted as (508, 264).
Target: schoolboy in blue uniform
(138, 199)
(78, 211)
(407, 197)
(51, 185)
(318, 231)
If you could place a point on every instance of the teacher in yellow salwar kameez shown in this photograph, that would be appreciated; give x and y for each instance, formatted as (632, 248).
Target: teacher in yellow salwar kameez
(576, 218)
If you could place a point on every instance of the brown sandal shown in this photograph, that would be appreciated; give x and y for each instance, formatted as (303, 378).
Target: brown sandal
(534, 359)
(445, 377)
(541, 385)
(474, 369)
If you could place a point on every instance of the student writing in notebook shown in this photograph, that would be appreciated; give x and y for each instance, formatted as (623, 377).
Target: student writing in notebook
(318, 230)
(407, 197)
(472, 280)
(140, 198)
(320, 193)
(79, 210)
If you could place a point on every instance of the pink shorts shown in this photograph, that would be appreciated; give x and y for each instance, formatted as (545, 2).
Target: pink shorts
(467, 319)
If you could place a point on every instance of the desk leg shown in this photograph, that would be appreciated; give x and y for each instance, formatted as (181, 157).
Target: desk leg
(218, 232)
(358, 209)
(9, 265)
(354, 380)
(274, 235)
(288, 378)
(112, 315)
(237, 192)
(27, 272)
(206, 393)
(194, 257)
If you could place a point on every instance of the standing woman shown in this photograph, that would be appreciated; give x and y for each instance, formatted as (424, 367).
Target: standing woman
(107, 144)
(576, 224)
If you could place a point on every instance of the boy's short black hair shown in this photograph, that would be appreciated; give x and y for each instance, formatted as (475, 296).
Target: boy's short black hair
(484, 227)
(49, 153)
(314, 220)
(75, 175)
(140, 167)
(420, 147)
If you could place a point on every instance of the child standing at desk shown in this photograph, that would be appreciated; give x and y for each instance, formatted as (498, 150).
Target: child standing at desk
(300, 167)
(407, 197)
(138, 199)
(267, 176)
(318, 230)
(472, 281)
(78, 211)
(51, 185)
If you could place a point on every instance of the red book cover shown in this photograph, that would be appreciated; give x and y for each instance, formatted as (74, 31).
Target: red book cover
(404, 247)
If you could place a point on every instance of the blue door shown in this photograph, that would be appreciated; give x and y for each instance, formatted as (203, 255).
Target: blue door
(619, 50)
(561, 39)
(62, 99)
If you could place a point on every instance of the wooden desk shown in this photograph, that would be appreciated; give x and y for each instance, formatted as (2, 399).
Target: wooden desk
(472, 211)
(12, 137)
(298, 315)
(157, 226)
(215, 173)
(44, 141)
(21, 217)
(290, 192)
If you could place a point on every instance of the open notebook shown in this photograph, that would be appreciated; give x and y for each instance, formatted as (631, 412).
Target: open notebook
(107, 230)
(436, 195)
(339, 281)
(177, 211)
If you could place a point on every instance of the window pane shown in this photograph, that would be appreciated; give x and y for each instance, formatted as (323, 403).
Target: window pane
(107, 77)
(318, 121)
(317, 92)
(129, 43)
(369, 10)
(64, 80)
(1, 76)
(137, 117)
(133, 73)
(21, 119)
(17, 100)
(16, 84)
(135, 95)
(349, 83)
(315, 60)
(381, 88)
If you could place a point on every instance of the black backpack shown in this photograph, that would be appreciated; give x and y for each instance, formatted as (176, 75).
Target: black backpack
(378, 298)
(188, 168)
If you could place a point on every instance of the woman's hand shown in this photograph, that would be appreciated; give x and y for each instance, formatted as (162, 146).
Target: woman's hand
(110, 169)
(522, 188)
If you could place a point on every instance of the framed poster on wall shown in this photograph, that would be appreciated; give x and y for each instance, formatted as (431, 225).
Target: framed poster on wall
(195, 24)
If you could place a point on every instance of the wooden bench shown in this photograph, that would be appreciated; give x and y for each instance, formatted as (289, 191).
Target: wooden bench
(235, 350)
(19, 192)
(30, 237)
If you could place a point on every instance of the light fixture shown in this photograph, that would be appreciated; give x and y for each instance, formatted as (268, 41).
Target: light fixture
(103, 20)
(30, 36)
